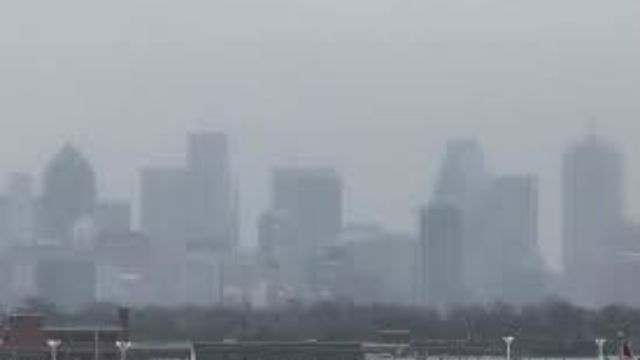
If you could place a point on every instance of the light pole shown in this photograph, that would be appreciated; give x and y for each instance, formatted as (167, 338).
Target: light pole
(53, 347)
(600, 343)
(508, 340)
(123, 347)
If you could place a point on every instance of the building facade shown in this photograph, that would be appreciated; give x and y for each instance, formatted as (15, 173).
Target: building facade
(513, 267)
(441, 232)
(593, 207)
(308, 204)
(69, 194)
(21, 209)
(461, 183)
(212, 200)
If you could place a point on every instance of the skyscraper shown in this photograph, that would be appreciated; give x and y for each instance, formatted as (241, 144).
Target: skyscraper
(164, 215)
(69, 193)
(279, 255)
(309, 203)
(593, 207)
(212, 209)
(513, 268)
(460, 184)
(21, 209)
(312, 200)
(462, 174)
(165, 219)
(441, 230)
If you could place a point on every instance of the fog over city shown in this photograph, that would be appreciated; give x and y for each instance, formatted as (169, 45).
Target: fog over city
(367, 93)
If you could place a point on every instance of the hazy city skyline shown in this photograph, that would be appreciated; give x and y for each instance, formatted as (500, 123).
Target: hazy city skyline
(375, 91)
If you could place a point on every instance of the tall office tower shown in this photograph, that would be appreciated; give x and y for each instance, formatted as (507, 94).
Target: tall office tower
(69, 194)
(593, 208)
(441, 231)
(312, 200)
(21, 209)
(310, 203)
(279, 256)
(213, 210)
(462, 175)
(164, 215)
(461, 182)
(165, 219)
(513, 268)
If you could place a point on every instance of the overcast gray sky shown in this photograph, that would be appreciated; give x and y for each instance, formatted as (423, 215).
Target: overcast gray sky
(374, 87)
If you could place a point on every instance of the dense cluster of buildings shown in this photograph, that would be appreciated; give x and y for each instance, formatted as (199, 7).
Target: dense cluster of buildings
(479, 235)
(477, 239)
(66, 245)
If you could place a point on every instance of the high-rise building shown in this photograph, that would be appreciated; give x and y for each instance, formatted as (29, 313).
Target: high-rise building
(462, 174)
(309, 203)
(164, 215)
(21, 209)
(441, 230)
(186, 208)
(69, 194)
(165, 219)
(593, 209)
(212, 209)
(312, 200)
(513, 268)
(461, 182)
(280, 256)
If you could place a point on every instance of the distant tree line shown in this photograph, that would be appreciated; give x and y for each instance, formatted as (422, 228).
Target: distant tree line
(569, 327)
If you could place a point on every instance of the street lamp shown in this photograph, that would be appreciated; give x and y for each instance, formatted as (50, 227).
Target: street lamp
(621, 337)
(508, 340)
(600, 343)
(123, 347)
(53, 347)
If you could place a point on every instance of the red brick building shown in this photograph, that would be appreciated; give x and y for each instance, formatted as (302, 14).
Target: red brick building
(25, 336)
